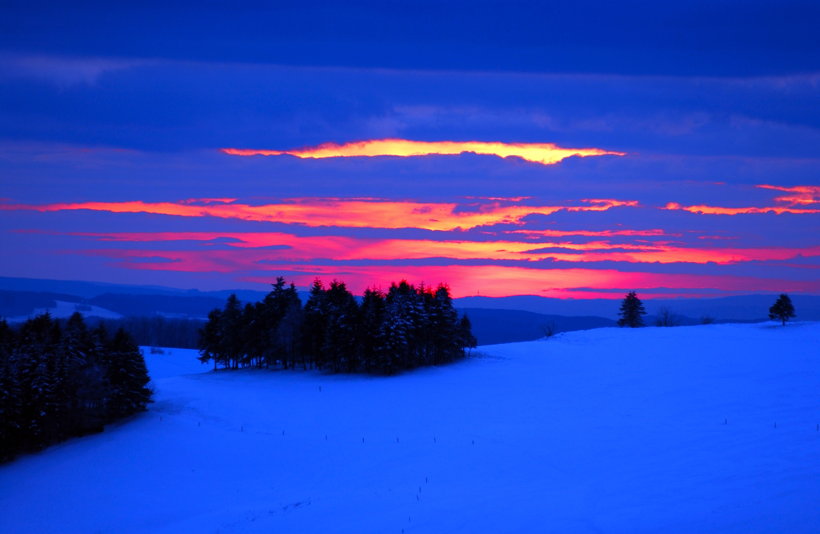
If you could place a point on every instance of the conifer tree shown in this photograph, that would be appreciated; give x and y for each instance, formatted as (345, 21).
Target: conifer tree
(632, 311)
(398, 335)
(39, 338)
(782, 309)
(82, 371)
(253, 337)
(444, 327)
(280, 315)
(209, 338)
(372, 316)
(288, 333)
(231, 345)
(7, 338)
(127, 377)
(393, 348)
(313, 327)
(341, 321)
(466, 338)
(11, 402)
(424, 328)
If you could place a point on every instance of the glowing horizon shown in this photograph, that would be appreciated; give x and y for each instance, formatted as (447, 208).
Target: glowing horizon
(519, 243)
(343, 248)
(543, 153)
(468, 280)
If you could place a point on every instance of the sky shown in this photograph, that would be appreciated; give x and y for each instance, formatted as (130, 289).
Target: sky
(561, 149)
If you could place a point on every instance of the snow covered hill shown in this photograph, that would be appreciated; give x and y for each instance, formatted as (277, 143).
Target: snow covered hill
(61, 309)
(691, 429)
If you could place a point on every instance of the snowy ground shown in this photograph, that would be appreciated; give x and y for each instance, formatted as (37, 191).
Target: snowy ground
(690, 429)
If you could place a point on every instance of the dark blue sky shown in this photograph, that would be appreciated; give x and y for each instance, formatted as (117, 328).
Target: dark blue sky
(712, 38)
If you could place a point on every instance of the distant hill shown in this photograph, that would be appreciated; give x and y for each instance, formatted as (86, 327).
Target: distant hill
(182, 306)
(24, 297)
(740, 308)
(23, 303)
(95, 289)
(19, 305)
(492, 327)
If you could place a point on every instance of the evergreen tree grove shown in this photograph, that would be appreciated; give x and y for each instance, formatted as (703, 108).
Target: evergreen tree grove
(56, 383)
(387, 333)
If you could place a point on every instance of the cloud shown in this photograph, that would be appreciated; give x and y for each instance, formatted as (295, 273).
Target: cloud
(588, 233)
(543, 153)
(803, 195)
(341, 212)
(718, 210)
(62, 71)
(252, 247)
(799, 195)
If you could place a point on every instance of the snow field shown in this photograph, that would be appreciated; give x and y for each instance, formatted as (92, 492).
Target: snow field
(689, 429)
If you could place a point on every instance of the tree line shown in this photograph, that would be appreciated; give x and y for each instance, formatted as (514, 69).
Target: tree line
(632, 311)
(58, 381)
(157, 331)
(385, 333)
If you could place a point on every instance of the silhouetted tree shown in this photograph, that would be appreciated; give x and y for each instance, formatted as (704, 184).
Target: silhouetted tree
(252, 337)
(209, 338)
(233, 346)
(127, 377)
(289, 331)
(632, 311)
(56, 382)
(446, 339)
(11, 395)
(371, 317)
(667, 318)
(340, 328)
(782, 309)
(313, 329)
(397, 335)
(274, 343)
(406, 328)
(466, 338)
(83, 374)
(158, 331)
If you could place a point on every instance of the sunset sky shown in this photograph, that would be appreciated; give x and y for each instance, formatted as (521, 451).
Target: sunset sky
(572, 150)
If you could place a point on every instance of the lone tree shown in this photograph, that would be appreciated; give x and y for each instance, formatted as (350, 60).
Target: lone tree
(782, 309)
(631, 311)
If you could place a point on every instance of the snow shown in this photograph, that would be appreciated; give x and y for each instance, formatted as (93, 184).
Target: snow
(690, 429)
(64, 310)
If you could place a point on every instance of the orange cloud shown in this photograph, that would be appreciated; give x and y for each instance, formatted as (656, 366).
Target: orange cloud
(353, 213)
(801, 194)
(543, 153)
(717, 210)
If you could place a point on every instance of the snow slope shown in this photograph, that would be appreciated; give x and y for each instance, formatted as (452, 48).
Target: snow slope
(690, 429)
(63, 310)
